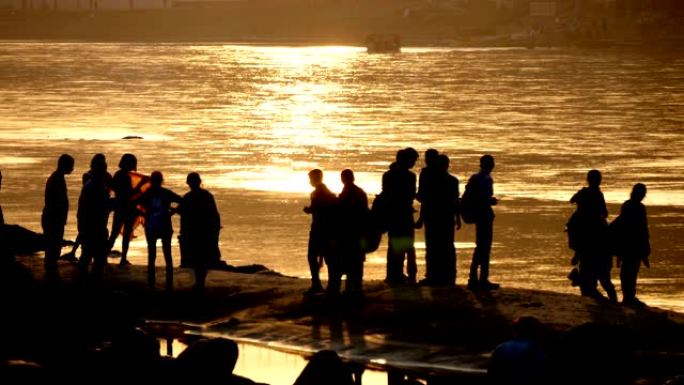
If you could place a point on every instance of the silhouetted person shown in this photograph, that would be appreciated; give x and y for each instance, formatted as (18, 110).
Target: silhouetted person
(440, 213)
(71, 255)
(426, 183)
(591, 249)
(520, 360)
(353, 209)
(483, 200)
(399, 189)
(321, 237)
(94, 206)
(55, 211)
(632, 242)
(157, 201)
(200, 227)
(325, 367)
(125, 212)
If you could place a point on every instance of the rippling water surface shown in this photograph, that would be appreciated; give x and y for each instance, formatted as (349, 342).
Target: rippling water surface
(253, 120)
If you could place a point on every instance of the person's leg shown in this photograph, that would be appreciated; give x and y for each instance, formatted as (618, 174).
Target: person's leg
(312, 257)
(53, 235)
(628, 277)
(126, 239)
(588, 277)
(484, 245)
(411, 264)
(117, 224)
(477, 255)
(429, 251)
(607, 283)
(168, 261)
(99, 256)
(151, 258)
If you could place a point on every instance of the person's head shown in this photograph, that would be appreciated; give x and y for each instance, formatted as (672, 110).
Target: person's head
(315, 177)
(193, 180)
(128, 162)
(347, 177)
(99, 162)
(65, 164)
(156, 179)
(594, 178)
(406, 158)
(430, 157)
(487, 163)
(98, 165)
(442, 162)
(526, 327)
(638, 192)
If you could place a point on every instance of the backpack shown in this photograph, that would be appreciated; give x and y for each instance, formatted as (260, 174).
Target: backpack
(376, 225)
(469, 207)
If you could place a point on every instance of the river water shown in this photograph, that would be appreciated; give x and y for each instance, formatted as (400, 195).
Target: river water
(253, 120)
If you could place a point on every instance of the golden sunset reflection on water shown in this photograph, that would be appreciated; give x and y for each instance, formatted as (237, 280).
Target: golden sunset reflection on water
(253, 120)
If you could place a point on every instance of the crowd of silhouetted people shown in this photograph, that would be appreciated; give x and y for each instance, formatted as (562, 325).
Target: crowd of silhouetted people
(596, 242)
(129, 196)
(344, 228)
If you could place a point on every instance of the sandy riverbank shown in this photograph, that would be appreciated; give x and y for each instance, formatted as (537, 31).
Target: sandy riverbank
(414, 328)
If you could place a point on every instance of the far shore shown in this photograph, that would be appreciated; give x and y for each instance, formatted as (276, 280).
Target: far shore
(302, 23)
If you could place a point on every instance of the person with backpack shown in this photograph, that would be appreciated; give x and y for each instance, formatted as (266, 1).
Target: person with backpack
(476, 208)
(156, 202)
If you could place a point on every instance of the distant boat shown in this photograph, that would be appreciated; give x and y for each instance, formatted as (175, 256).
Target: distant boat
(383, 43)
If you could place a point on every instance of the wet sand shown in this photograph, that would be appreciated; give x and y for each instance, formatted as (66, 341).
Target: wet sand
(449, 330)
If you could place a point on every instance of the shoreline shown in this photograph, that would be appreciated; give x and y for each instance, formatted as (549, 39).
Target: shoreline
(417, 329)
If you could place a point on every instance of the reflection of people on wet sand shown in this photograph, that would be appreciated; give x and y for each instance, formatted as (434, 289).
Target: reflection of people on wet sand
(632, 245)
(399, 190)
(94, 206)
(156, 202)
(322, 208)
(588, 230)
(55, 211)
(479, 199)
(125, 212)
(200, 227)
(353, 209)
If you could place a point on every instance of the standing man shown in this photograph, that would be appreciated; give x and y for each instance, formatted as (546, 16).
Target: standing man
(94, 206)
(200, 228)
(55, 211)
(633, 246)
(322, 210)
(481, 186)
(353, 205)
(399, 188)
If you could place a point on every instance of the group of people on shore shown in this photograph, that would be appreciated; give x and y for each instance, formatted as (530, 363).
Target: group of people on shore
(595, 241)
(145, 197)
(343, 227)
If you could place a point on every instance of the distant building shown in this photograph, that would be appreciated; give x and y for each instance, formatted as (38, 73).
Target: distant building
(108, 5)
